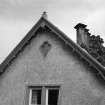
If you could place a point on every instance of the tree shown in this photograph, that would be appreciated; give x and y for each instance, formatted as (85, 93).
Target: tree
(96, 48)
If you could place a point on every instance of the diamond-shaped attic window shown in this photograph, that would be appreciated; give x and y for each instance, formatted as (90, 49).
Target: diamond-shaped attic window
(45, 48)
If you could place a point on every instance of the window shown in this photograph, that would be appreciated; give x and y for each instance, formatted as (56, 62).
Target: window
(45, 48)
(46, 95)
(35, 96)
(52, 96)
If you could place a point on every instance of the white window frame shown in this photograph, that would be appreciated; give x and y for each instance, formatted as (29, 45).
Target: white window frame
(44, 93)
(30, 94)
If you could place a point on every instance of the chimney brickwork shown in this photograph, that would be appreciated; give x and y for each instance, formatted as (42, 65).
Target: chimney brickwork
(82, 35)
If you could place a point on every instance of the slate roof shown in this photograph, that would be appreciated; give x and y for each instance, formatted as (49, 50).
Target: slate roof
(43, 21)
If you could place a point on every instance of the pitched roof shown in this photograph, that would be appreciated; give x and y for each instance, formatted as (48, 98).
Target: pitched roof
(43, 21)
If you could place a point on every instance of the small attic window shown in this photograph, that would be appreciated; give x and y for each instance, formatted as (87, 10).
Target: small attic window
(45, 48)
(44, 95)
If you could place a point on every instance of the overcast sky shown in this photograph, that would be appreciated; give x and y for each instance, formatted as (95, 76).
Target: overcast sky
(18, 16)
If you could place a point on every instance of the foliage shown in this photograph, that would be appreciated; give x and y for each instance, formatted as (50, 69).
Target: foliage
(96, 48)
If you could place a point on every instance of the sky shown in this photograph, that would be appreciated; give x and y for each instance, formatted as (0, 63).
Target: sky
(18, 16)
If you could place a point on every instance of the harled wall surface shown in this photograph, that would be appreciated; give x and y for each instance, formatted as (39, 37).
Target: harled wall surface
(57, 65)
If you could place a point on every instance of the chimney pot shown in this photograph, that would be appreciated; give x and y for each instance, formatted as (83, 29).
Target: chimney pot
(80, 25)
(89, 33)
(86, 30)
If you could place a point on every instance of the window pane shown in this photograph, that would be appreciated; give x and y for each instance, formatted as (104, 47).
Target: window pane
(53, 96)
(36, 97)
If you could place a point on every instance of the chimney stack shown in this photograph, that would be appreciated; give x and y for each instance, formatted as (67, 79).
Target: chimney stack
(82, 35)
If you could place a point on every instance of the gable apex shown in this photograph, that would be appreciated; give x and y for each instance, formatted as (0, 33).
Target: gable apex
(42, 23)
(44, 15)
